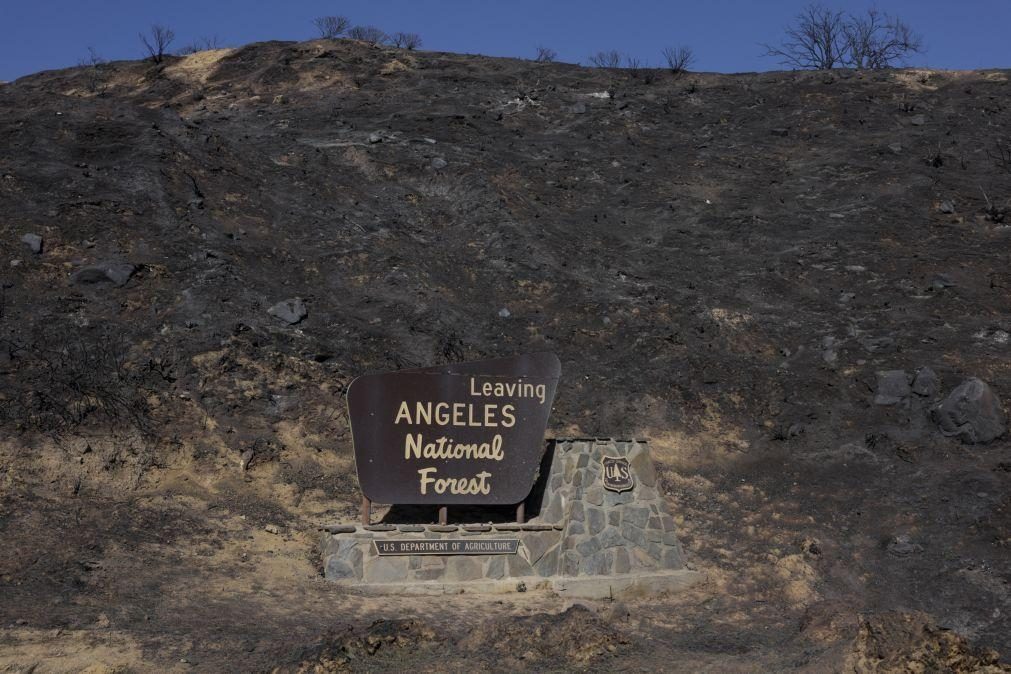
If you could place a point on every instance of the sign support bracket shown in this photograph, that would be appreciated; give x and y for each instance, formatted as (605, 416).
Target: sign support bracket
(366, 511)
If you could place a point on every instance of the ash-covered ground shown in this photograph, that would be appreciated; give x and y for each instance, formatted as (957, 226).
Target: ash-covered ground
(724, 264)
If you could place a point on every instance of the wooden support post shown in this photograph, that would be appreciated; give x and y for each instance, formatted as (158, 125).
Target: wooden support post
(521, 512)
(366, 511)
(443, 515)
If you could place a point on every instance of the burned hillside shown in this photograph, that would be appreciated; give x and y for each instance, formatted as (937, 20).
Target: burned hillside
(775, 278)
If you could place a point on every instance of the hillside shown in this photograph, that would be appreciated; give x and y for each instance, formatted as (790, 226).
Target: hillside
(723, 263)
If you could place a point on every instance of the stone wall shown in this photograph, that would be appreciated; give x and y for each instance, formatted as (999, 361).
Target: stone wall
(606, 532)
(579, 529)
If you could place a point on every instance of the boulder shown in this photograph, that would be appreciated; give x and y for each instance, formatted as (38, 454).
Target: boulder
(33, 241)
(926, 383)
(972, 412)
(903, 546)
(941, 281)
(893, 387)
(439, 163)
(290, 311)
(117, 273)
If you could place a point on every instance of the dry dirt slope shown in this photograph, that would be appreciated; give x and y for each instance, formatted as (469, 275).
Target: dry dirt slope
(723, 263)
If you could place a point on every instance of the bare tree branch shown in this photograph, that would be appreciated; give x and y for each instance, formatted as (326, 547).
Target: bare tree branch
(331, 27)
(678, 59)
(157, 41)
(816, 41)
(606, 59)
(824, 38)
(877, 40)
(406, 40)
(546, 55)
(201, 44)
(370, 34)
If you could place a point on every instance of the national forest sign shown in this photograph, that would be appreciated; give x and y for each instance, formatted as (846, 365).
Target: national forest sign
(459, 433)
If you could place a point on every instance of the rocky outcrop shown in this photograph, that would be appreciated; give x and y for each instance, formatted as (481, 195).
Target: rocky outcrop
(972, 412)
(116, 273)
(290, 311)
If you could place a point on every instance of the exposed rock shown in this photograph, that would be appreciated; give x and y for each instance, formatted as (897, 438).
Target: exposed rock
(876, 344)
(902, 546)
(246, 458)
(893, 387)
(918, 120)
(972, 412)
(829, 354)
(926, 383)
(946, 206)
(33, 241)
(577, 108)
(941, 281)
(290, 311)
(504, 313)
(117, 273)
(439, 163)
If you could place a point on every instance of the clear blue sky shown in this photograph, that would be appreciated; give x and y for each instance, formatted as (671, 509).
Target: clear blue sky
(725, 35)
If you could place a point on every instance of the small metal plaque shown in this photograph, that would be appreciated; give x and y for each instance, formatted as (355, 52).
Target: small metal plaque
(449, 546)
(617, 474)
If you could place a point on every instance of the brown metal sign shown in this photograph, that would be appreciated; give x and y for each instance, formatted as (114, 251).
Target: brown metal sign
(460, 433)
(617, 474)
(465, 546)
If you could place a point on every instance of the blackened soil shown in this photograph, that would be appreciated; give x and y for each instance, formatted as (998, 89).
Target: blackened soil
(722, 263)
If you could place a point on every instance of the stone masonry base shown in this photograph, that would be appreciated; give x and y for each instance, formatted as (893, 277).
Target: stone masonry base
(583, 540)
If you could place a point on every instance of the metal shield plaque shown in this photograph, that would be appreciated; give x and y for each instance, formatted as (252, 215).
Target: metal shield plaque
(459, 433)
(617, 474)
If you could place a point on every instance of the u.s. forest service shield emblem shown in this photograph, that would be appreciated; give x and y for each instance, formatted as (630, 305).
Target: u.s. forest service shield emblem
(617, 474)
